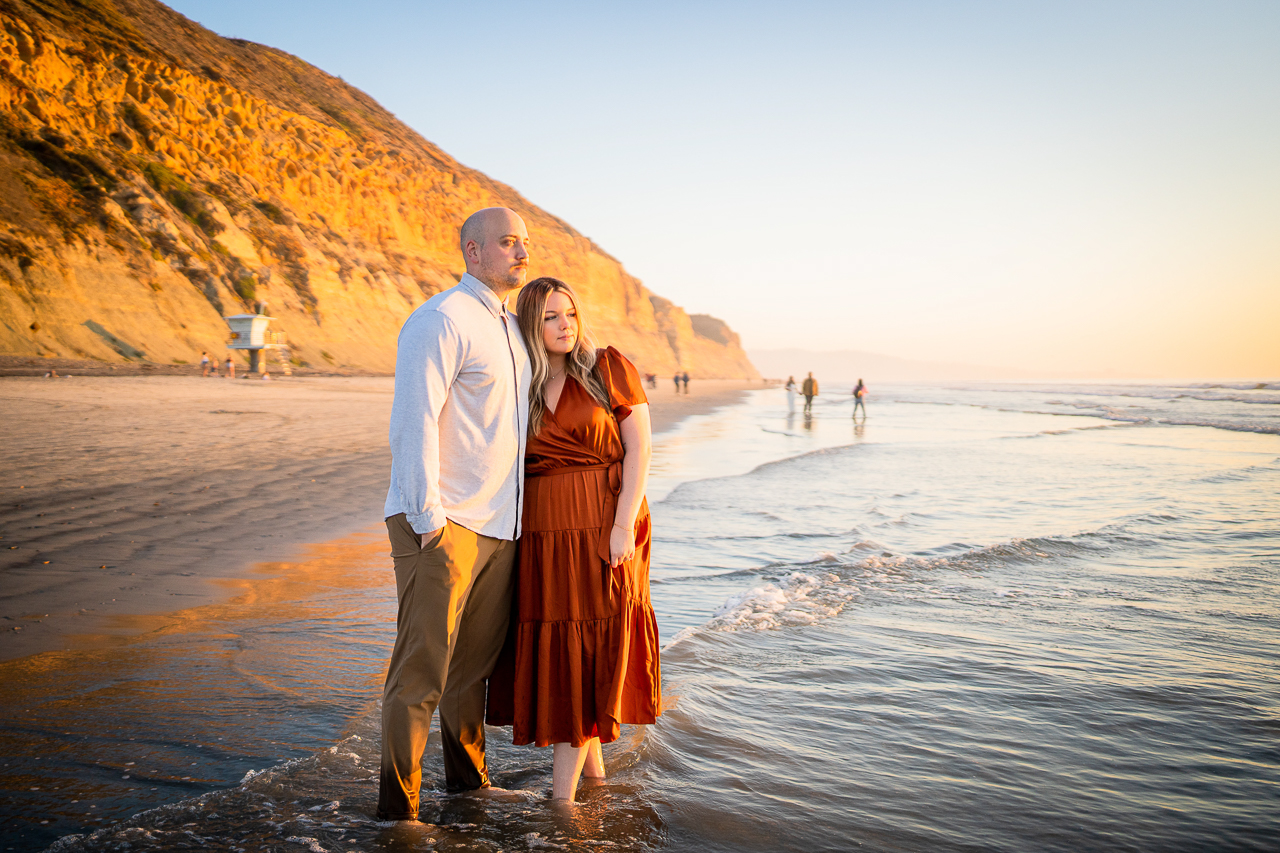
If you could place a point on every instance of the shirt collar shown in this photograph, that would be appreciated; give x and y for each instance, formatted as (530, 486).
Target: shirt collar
(481, 291)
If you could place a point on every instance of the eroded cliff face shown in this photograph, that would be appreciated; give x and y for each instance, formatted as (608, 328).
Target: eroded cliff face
(155, 177)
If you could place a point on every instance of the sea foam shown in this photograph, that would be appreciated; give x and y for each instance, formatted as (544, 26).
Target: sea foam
(798, 599)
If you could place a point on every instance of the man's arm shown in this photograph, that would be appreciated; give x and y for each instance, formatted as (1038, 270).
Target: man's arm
(428, 358)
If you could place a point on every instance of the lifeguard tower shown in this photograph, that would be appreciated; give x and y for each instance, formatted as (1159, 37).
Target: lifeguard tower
(250, 332)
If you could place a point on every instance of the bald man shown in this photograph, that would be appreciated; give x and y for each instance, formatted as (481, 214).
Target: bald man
(458, 425)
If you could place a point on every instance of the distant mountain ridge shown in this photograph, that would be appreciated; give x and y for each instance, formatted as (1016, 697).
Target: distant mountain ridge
(155, 176)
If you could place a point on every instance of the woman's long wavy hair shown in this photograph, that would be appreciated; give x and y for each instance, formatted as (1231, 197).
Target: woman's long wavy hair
(580, 362)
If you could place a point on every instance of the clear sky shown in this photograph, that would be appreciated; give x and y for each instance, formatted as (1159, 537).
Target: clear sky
(1068, 186)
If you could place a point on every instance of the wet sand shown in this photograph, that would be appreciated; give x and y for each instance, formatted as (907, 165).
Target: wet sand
(138, 495)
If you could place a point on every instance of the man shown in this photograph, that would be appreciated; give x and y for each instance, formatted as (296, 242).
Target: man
(458, 425)
(809, 388)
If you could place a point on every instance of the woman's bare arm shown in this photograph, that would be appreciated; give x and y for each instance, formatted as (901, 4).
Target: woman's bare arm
(637, 443)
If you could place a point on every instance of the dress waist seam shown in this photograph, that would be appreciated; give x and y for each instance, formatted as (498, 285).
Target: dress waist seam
(571, 469)
(629, 602)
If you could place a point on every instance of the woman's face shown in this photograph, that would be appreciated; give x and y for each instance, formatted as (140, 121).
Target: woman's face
(559, 323)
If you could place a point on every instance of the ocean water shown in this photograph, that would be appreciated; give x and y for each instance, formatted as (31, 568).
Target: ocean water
(988, 617)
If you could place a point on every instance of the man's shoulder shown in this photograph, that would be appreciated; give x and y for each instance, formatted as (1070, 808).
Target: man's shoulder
(446, 299)
(451, 303)
(453, 313)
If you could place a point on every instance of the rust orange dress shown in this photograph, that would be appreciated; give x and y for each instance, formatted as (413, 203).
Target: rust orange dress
(582, 653)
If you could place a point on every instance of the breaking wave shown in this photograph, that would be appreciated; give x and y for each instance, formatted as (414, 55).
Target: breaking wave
(820, 589)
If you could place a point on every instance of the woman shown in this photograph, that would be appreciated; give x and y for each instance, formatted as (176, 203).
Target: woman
(791, 393)
(582, 654)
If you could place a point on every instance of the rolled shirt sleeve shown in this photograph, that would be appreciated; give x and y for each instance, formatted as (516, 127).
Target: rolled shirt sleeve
(428, 357)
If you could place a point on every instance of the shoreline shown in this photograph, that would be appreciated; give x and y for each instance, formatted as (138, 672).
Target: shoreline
(142, 495)
(38, 366)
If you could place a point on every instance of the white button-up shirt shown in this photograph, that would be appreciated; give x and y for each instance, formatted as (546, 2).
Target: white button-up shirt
(460, 414)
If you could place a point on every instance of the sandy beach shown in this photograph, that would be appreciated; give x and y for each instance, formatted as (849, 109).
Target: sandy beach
(136, 495)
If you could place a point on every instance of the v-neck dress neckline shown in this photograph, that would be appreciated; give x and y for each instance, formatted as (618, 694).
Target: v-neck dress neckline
(552, 412)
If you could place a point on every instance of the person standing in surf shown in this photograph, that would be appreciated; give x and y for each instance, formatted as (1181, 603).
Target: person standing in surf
(458, 424)
(859, 391)
(582, 654)
(791, 393)
(810, 390)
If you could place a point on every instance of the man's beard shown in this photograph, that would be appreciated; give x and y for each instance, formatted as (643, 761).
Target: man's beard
(508, 277)
(515, 276)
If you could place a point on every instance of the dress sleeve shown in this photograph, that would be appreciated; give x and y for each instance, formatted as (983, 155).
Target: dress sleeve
(621, 381)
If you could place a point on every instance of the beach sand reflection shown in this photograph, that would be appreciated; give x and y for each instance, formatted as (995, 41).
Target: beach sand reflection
(163, 706)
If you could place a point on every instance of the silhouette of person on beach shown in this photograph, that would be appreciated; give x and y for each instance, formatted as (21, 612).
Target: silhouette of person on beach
(459, 420)
(809, 388)
(685, 380)
(791, 393)
(676, 379)
(204, 364)
(859, 391)
(231, 368)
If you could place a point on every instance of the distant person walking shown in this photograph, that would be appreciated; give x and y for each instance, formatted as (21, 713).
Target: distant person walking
(859, 391)
(676, 379)
(809, 388)
(204, 364)
(791, 393)
(685, 380)
(231, 368)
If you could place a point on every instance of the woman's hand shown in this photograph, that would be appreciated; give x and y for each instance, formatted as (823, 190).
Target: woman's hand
(622, 544)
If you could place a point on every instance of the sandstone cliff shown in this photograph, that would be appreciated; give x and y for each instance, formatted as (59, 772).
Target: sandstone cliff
(155, 176)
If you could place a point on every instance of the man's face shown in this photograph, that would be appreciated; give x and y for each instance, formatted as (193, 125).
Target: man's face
(502, 261)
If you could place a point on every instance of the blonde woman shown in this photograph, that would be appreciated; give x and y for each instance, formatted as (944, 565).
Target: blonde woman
(582, 653)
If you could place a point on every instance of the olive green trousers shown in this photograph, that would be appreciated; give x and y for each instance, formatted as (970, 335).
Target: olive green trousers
(455, 601)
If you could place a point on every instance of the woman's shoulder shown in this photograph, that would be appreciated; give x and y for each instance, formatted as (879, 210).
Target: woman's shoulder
(611, 356)
(620, 377)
